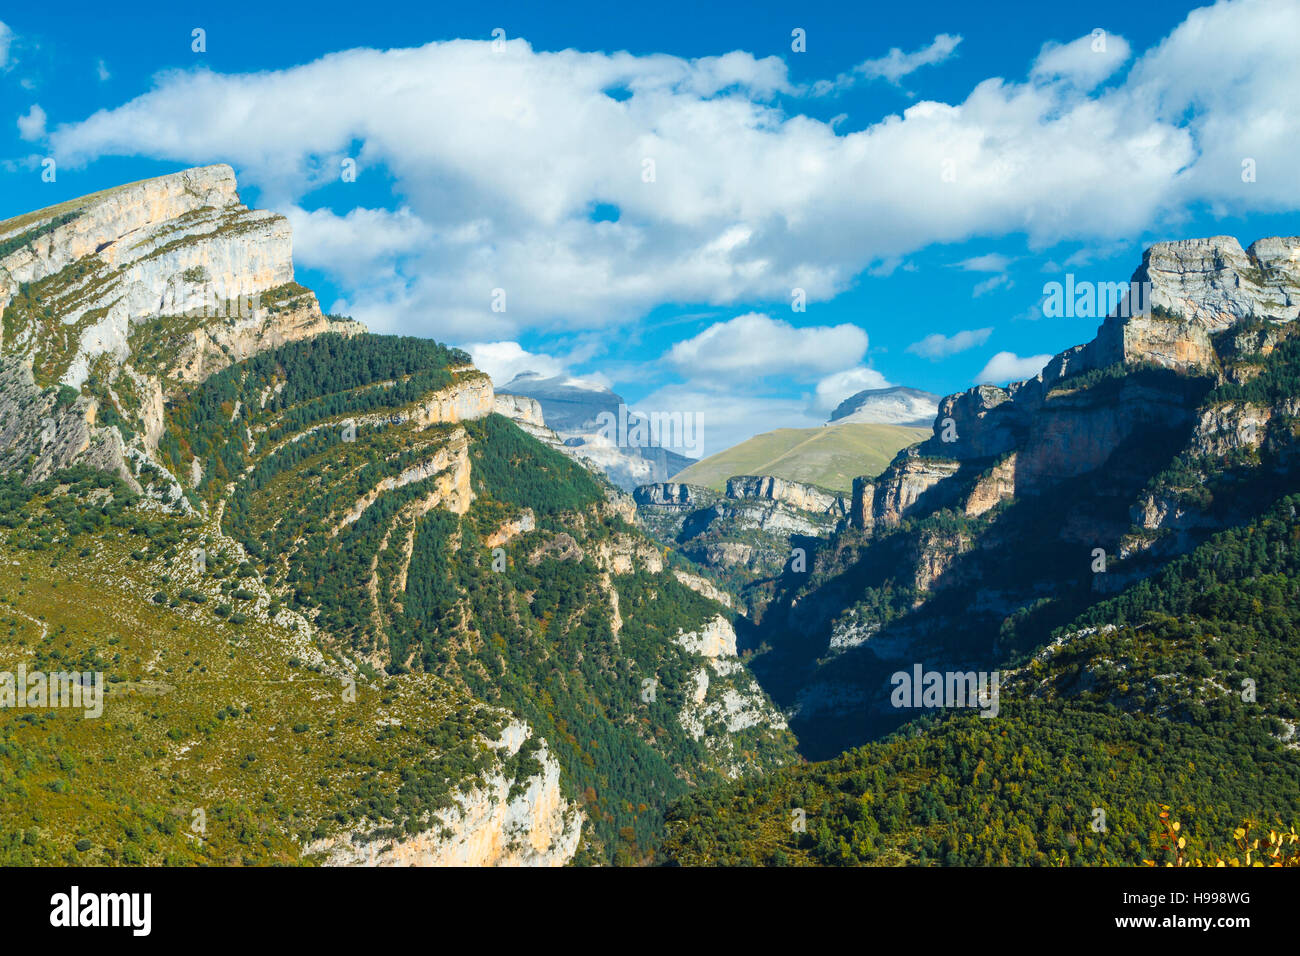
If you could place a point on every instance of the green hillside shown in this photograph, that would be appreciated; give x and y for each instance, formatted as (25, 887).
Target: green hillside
(831, 456)
(1135, 706)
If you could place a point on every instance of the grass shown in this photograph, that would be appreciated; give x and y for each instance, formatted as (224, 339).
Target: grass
(246, 723)
(830, 457)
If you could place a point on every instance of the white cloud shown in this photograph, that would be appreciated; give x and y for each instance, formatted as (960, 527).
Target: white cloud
(729, 417)
(502, 361)
(937, 346)
(353, 244)
(1009, 367)
(990, 262)
(6, 41)
(32, 125)
(504, 154)
(101, 71)
(991, 283)
(756, 345)
(1084, 62)
(893, 66)
(833, 389)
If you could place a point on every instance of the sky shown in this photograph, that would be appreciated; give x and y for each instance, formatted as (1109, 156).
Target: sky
(746, 212)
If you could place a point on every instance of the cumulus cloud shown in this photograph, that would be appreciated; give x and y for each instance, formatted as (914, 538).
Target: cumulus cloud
(937, 345)
(755, 345)
(352, 245)
(1084, 62)
(893, 66)
(834, 388)
(6, 41)
(502, 361)
(32, 124)
(725, 193)
(1009, 367)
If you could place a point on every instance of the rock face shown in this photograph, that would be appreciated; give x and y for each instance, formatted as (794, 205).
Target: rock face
(1214, 282)
(40, 433)
(726, 700)
(796, 495)
(186, 235)
(752, 528)
(665, 494)
(1204, 301)
(129, 294)
(497, 823)
(520, 409)
(527, 414)
(469, 399)
(905, 484)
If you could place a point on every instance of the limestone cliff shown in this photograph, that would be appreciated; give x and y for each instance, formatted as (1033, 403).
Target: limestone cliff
(1207, 304)
(497, 821)
(126, 296)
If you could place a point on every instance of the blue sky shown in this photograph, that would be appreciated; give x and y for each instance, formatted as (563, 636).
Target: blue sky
(920, 170)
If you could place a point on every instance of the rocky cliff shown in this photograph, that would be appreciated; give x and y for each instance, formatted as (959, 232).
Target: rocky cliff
(499, 821)
(122, 298)
(1030, 501)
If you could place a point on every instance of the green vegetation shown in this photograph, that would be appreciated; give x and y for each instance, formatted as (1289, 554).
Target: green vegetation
(1151, 710)
(829, 457)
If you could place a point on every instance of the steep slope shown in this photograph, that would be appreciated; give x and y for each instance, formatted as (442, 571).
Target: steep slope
(1183, 692)
(971, 546)
(741, 539)
(349, 614)
(1157, 463)
(830, 456)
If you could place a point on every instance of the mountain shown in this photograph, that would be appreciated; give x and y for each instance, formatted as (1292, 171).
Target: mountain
(830, 456)
(342, 608)
(898, 405)
(568, 404)
(1118, 539)
(579, 411)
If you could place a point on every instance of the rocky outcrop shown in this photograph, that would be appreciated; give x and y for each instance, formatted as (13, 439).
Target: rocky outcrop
(527, 414)
(623, 554)
(886, 501)
(717, 638)
(1215, 283)
(511, 529)
(725, 700)
(993, 487)
(137, 292)
(469, 399)
(495, 822)
(792, 493)
(520, 409)
(703, 586)
(665, 494)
